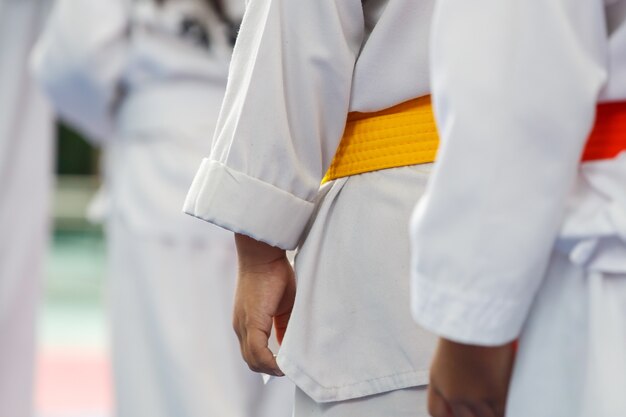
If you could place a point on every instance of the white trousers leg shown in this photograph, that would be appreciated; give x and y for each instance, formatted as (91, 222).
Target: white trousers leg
(20, 288)
(23, 241)
(564, 366)
(174, 351)
(410, 402)
(25, 185)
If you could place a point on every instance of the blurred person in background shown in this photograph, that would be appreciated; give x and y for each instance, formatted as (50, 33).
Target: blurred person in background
(26, 146)
(531, 104)
(146, 78)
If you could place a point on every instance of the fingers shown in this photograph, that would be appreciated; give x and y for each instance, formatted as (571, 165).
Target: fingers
(486, 410)
(257, 354)
(437, 406)
(462, 410)
(472, 381)
(255, 351)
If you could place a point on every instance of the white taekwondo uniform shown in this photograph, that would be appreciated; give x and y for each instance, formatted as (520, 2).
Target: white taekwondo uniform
(299, 67)
(517, 237)
(26, 143)
(148, 80)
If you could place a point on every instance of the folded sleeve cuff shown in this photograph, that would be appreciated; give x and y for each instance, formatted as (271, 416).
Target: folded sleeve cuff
(465, 317)
(247, 205)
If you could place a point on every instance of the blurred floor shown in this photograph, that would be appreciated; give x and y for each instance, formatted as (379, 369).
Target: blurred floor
(73, 378)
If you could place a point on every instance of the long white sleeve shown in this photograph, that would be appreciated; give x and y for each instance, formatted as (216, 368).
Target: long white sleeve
(283, 116)
(79, 61)
(515, 86)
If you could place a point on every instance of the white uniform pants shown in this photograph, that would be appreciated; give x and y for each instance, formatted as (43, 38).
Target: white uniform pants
(571, 358)
(410, 402)
(25, 184)
(174, 351)
(21, 258)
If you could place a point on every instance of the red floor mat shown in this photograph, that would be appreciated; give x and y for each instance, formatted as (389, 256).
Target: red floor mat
(73, 383)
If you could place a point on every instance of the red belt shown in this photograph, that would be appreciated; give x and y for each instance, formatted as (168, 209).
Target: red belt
(608, 137)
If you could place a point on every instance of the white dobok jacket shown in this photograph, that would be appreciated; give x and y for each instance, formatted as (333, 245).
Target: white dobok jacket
(509, 183)
(298, 68)
(147, 82)
(514, 234)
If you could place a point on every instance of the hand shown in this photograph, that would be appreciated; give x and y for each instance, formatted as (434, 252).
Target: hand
(469, 381)
(266, 290)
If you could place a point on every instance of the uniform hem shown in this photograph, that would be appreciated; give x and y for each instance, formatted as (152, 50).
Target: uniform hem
(243, 204)
(465, 318)
(379, 385)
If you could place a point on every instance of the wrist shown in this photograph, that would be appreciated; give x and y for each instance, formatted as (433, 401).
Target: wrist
(254, 254)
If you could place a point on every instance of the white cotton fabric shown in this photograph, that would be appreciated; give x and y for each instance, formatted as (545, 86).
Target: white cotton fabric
(515, 237)
(298, 68)
(570, 360)
(26, 143)
(351, 332)
(512, 137)
(81, 83)
(89, 67)
(410, 402)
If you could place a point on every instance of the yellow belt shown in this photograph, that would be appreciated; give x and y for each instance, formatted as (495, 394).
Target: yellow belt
(402, 135)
